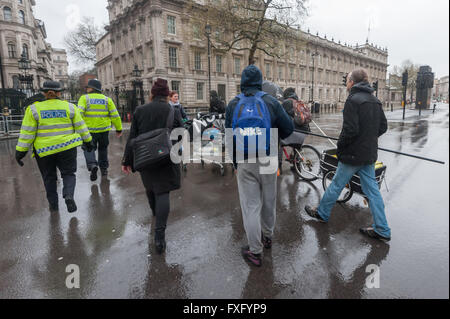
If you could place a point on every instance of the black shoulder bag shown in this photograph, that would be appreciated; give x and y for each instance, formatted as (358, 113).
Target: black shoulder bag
(152, 149)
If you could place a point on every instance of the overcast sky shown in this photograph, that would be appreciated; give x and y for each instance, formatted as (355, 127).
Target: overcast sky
(411, 29)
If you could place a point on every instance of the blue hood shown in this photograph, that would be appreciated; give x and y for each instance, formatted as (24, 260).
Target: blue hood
(251, 80)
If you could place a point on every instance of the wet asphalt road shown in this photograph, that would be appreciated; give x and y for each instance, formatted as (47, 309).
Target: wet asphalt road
(111, 238)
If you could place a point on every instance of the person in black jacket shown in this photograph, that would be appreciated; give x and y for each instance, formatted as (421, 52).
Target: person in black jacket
(158, 182)
(216, 104)
(257, 187)
(364, 123)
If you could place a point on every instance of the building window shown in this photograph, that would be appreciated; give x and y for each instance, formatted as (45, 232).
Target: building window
(219, 63)
(268, 70)
(280, 72)
(196, 31)
(292, 73)
(237, 66)
(173, 63)
(152, 57)
(198, 61)
(12, 50)
(7, 15)
(21, 17)
(171, 25)
(176, 85)
(238, 89)
(222, 91)
(200, 90)
(16, 82)
(25, 51)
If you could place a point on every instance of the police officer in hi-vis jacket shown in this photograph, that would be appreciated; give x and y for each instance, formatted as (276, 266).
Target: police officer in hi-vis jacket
(99, 113)
(52, 130)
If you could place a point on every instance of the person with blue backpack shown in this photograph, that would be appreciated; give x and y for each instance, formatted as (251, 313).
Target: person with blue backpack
(252, 116)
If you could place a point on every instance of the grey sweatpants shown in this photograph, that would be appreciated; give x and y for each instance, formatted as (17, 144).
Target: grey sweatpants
(258, 197)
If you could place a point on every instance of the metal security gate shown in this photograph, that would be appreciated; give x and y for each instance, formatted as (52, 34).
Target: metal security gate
(2, 126)
(10, 125)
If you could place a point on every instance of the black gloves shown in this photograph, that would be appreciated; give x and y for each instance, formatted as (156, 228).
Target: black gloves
(88, 146)
(19, 157)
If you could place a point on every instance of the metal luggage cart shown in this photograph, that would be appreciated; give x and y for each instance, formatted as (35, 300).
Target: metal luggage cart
(328, 166)
(211, 127)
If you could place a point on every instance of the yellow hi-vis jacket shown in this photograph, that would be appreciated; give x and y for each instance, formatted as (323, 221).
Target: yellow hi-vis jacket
(51, 127)
(99, 113)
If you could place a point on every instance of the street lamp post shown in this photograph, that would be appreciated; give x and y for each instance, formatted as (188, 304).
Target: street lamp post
(313, 55)
(116, 93)
(26, 80)
(3, 100)
(208, 36)
(136, 74)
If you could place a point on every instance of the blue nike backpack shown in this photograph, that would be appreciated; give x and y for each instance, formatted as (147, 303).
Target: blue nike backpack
(250, 118)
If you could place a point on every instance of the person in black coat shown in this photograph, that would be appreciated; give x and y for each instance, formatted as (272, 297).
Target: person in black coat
(158, 182)
(216, 104)
(364, 123)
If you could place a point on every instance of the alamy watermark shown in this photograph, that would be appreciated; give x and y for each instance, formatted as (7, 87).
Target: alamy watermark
(249, 145)
(73, 279)
(373, 280)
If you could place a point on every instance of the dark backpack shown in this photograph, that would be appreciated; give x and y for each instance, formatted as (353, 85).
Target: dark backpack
(152, 149)
(251, 117)
(302, 114)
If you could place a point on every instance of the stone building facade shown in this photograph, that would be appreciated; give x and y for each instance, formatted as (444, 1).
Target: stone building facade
(104, 63)
(21, 32)
(158, 36)
(61, 66)
(441, 89)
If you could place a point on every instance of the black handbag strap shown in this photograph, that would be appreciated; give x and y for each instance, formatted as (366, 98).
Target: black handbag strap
(171, 117)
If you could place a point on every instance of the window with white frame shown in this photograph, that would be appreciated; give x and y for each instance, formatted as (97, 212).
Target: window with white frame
(171, 25)
(219, 63)
(268, 67)
(200, 91)
(7, 14)
(21, 17)
(173, 59)
(197, 60)
(12, 50)
(237, 65)
(176, 85)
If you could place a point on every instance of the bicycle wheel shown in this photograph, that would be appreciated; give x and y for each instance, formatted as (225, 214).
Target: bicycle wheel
(307, 163)
(347, 192)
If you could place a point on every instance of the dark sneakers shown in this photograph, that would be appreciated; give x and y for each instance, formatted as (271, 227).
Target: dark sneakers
(160, 241)
(104, 172)
(266, 241)
(71, 206)
(314, 214)
(370, 232)
(253, 259)
(94, 171)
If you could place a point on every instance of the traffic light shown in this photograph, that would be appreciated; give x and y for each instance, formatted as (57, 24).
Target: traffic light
(375, 86)
(344, 80)
(405, 79)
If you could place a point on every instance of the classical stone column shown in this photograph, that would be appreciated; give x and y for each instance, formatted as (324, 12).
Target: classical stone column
(158, 47)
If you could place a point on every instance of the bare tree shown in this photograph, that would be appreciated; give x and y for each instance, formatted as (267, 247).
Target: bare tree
(81, 42)
(412, 69)
(250, 25)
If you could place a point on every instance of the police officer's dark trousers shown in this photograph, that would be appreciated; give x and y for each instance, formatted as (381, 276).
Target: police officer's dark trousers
(101, 143)
(66, 162)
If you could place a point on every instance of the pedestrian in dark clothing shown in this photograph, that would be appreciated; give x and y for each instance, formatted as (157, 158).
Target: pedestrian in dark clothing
(257, 190)
(175, 102)
(288, 104)
(158, 182)
(364, 123)
(216, 104)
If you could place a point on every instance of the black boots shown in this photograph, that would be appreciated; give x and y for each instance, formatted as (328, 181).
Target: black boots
(160, 241)
(94, 171)
(70, 203)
